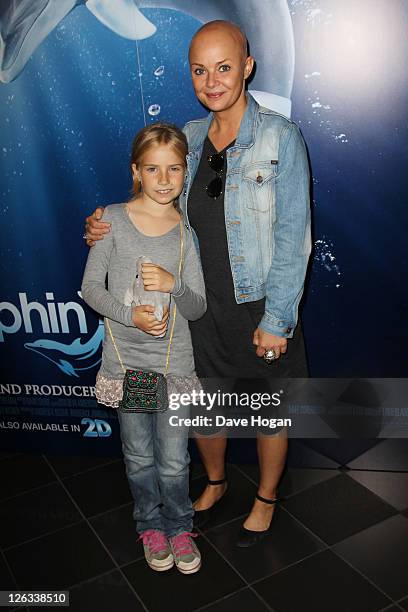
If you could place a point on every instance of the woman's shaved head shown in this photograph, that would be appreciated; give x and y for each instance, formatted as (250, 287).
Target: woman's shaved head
(225, 28)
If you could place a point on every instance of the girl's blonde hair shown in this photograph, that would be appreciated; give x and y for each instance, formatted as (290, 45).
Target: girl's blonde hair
(156, 134)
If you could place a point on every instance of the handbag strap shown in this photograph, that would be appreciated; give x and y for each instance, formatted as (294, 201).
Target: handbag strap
(181, 261)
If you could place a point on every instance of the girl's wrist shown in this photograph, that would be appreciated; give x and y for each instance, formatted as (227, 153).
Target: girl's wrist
(178, 288)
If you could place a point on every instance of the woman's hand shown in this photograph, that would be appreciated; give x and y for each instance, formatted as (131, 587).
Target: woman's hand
(264, 342)
(156, 278)
(143, 318)
(94, 228)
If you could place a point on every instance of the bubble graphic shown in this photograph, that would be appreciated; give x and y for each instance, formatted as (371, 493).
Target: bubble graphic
(159, 71)
(341, 138)
(154, 109)
(326, 262)
(312, 74)
(313, 13)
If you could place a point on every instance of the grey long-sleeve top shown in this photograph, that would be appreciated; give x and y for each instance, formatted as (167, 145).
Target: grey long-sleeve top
(113, 259)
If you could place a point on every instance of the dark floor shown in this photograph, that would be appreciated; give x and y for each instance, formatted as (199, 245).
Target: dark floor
(339, 543)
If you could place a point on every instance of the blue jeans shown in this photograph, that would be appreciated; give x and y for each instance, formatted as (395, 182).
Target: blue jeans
(157, 460)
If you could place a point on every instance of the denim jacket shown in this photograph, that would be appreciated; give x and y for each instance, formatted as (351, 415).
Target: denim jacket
(267, 211)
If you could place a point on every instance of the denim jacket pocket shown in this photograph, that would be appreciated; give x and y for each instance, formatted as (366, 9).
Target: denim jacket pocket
(259, 181)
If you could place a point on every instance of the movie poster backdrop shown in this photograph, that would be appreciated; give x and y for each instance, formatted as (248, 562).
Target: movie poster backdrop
(78, 79)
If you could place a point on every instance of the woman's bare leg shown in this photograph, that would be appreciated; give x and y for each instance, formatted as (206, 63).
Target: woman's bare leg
(212, 451)
(272, 453)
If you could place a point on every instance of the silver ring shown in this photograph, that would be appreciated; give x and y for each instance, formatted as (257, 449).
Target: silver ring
(85, 237)
(269, 356)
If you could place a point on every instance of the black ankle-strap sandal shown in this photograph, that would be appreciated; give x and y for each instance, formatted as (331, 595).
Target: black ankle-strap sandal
(202, 517)
(246, 537)
(267, 501)
(217, 482)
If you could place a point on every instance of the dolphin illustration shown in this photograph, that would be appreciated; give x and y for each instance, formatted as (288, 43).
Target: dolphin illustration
(24, 24)
(68, 357)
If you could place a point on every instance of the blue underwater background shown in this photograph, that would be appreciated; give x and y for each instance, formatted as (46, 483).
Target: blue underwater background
(66, 124)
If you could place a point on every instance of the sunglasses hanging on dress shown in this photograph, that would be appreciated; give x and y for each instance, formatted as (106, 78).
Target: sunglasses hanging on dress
(216, 163)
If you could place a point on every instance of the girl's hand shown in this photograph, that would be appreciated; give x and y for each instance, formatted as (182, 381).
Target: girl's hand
(156, 278)
(143, 318)
(264, 341)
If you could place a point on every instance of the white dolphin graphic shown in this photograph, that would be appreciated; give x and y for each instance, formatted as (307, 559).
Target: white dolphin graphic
(71, 358)
(24, 24)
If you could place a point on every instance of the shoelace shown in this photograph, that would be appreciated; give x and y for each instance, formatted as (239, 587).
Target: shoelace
(155, 540)
(182, 544)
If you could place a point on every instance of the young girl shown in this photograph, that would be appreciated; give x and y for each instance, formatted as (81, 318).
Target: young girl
(150, 225)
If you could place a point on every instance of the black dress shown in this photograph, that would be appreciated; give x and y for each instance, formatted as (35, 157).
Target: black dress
(222, 338)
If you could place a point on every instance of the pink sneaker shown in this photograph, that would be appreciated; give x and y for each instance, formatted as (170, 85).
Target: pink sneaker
(186, 554)
(157, 550)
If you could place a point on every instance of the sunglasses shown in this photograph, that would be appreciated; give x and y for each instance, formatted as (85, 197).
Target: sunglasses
(216, 163)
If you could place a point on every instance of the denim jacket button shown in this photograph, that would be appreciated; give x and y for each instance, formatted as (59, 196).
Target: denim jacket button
(288, 330)
(259, 178)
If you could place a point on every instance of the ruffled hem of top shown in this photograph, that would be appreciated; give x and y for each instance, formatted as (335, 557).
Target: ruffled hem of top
(109, 391)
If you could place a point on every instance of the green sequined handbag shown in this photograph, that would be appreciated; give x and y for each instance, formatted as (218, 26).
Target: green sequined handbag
(146, 390)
